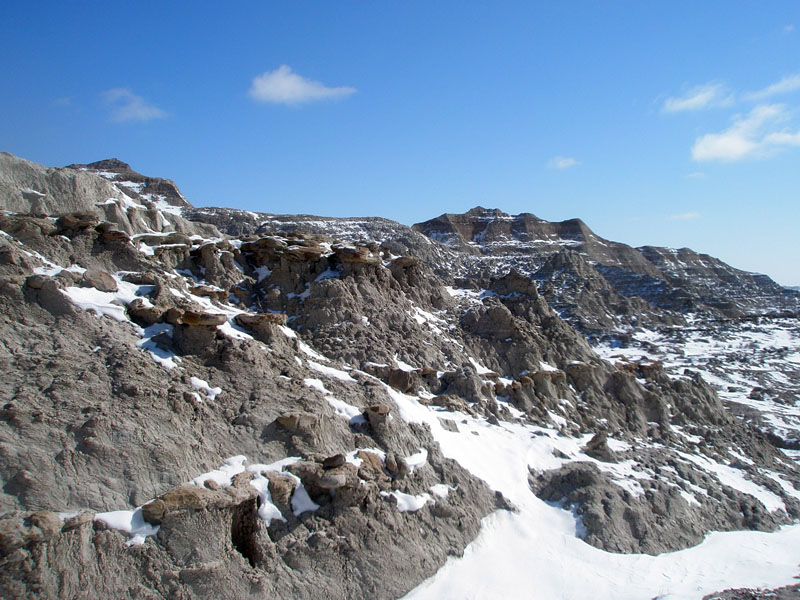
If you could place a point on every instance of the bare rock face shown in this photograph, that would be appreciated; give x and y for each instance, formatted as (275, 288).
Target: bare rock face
(302, 422)
(653, 522)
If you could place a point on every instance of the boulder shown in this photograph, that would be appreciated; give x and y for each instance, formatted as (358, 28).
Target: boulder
(209, 291)
(100, 280)
(332, 480)
(144, 312)
(401, 380)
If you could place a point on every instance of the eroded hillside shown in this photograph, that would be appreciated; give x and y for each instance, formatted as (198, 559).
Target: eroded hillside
(210, 402)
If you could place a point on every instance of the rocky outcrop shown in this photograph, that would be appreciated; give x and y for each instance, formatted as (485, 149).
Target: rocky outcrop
(598, 284)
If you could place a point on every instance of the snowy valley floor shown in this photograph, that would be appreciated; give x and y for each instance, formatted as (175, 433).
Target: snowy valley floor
(537, 552)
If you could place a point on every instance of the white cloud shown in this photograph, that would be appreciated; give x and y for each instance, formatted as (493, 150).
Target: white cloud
(282, 86)
(685, 216)
(562, 162)
(750, 136)
(696, 175)
(788, 28)
(784, 86)
(699, 97)
(127, 106)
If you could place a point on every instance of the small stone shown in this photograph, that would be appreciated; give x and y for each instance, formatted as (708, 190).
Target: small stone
(281, 488)
(391, 463)
(77, 521)
(337, 460)
(332, 480)
(298, 421)
(397, 466)
(449, 425)
(598, 448)
(153, 512)
(36, 282)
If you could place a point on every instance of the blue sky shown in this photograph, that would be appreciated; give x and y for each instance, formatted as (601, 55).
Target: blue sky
(664, 123)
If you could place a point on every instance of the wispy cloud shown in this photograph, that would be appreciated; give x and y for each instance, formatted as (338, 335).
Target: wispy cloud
(124, 106)
(755, 135)
(786, 85)
(685, 216)
(789, 28)
(708, 95)
(63, 101)
(562, 162)
(696, 175)
(283, 86)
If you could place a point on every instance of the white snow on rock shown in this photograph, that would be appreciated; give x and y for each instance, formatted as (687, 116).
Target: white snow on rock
(112, 304)
(403, 365)
(348, 411)
(224, 474)
(202, 385)
(166, 359)
(267, 511)
(132, 522)
(441, 489)
(479, 367)
(408, 502)
(301, 502)
(129, 521)
(101, 303)
(51, 270)
(417, 459)
(166, 207)
(733, 477)
(310, 352)
(289, 333)
(327, 274)
(317, 385)
(330, 371)
(262, 272)
(354, 460)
